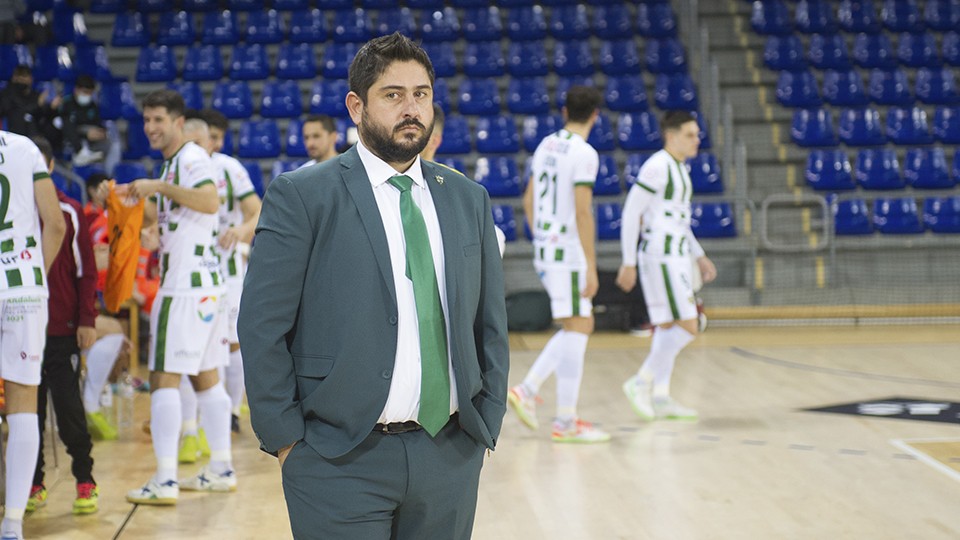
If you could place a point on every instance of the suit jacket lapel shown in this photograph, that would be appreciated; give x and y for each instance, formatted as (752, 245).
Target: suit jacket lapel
(449, 228)
(355, 179)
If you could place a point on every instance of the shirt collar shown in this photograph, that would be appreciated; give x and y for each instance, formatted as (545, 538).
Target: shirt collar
(378, 171)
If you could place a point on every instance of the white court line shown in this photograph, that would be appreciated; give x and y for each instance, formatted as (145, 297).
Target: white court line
(904, 444)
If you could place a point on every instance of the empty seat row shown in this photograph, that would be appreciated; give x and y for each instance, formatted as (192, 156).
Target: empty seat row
(160, 6)
(924, 168)
(897, 216)
(863, 127)
(933, 86)
(56, 62)
(825, 16)
(869, 51)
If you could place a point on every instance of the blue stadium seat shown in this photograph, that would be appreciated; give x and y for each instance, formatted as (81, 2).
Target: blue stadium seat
(44, 63)
(946, 125)
(116, 100)
(256, 175)
(154, 6)
(244, 5)
(352, 26)
(281, 99)
(956, 166)
(798, 89)
(129, 31)
(861, 127)
(889, 87)
(91, 59)
(569, 22)
(337, 58)
(156, 64)
(858, 16)
(527, 59)
(951, 47)
(535, 128)
(327, 97)
(441, 95)
(626, 93)
(528, 95)
(942, 15)
(220, 28)
(937, 86)
(176, 28)
(612, 22)
(918, 50)
(191, 92)
(608, 177)
(572, 58)
(439, 25)
(704, 134)
(526, 23)
(608, 221)
(199, 6)
(454, 163)
(296, 61)
(779, 54)
(829, 52)
(896, 216)
(425, 4)
(705, 173)
(844, 88)
(564, 84)
(264, 26)
(484, 59)
(137, 145)
(631, 170)
(291, 5)
(927, 168)
(203, 63)
(479, 96)
(668, 56)
(771, 18)
(335, 5)
(620, 57)
(908, 126)
(675, 91)
(878, 169)
(281, 166)
(639, 131)
(69, 27)
(96, 6)
(497, 134)
(227, 143)
(602, 136)
(813, 127)
(656, 20)
(308, 26)
(482, 24)
(815, 17)
(503, 218)
(851, 217)
(443, 58)
(468, 3)
(456, 136)
(942, 214)
(712, 220)
(498, 175)
(259, 139)
(874, 51)
(128, 171)
(249, 62)
(388, 21)
(828, 170)
(10, 57)
(901, 16)
(233, 99)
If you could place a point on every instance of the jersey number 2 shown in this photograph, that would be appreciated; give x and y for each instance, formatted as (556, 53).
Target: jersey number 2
(4, 203)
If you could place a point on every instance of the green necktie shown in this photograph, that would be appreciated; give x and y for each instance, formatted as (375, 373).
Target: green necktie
(434, 373)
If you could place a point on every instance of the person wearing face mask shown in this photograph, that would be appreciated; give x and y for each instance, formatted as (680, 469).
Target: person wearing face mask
(26, 111)
(82, 127)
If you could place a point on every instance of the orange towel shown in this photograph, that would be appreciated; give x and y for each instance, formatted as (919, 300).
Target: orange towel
(124, 224)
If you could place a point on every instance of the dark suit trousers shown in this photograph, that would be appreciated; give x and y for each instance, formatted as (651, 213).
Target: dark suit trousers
(400, 487)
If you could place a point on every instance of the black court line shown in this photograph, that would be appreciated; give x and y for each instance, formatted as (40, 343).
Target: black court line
(841, 372)
(124, 524)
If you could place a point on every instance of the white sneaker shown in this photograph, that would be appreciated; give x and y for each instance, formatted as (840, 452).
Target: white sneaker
(154, 493)
(639, 391)
(667, 408)
(577, 431)
(208, 481)
(525, 406)
(85, 157)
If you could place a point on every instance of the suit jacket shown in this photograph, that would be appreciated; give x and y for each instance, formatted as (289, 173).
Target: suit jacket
(318, 317)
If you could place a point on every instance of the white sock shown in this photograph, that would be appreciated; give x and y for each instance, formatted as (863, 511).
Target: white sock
(100, 359)
(658, 367)
(545, 364)
(234, 381)
(22, 447)
(215, 418)
(188, 406)
(570, 373)
(165, 430)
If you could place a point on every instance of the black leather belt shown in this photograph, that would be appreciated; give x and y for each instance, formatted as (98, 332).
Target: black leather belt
(394, 428)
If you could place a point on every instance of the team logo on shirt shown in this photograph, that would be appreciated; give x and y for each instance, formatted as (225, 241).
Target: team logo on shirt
(207, 308)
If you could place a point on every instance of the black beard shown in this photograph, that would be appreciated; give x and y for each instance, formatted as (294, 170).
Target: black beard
(383, 146)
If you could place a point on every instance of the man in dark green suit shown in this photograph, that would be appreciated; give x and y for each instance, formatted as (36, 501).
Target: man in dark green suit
(374, 325)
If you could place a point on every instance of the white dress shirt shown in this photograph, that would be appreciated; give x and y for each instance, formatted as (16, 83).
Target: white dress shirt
(403, 401)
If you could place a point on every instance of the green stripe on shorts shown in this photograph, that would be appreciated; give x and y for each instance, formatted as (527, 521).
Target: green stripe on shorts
(161, 350)
(575, 287)
(670, 297)
(13, 278)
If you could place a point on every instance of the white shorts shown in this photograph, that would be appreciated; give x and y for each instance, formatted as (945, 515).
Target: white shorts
(188, 334)
(563, 286)
(668, 288)
(234, 292)
(23, 335)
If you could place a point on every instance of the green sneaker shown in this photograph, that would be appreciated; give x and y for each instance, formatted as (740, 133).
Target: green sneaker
(189, 449)
(667, 408)
(577, 431)
(525, 406)
(38, 498)
(87, 499)
(100, 428)
(202, 442)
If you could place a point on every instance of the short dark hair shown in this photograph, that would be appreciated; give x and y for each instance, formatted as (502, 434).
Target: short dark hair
(215, 119)
(672, 120)
(45, 147)
(376, 56)
(581, 102)
(193, 114)
(22, 69)
(438, 117)
(328, 124)
(96, 178)
(86, 82)
(168, 99)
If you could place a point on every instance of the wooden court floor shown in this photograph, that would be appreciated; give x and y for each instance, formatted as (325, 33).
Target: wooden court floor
(754, 467)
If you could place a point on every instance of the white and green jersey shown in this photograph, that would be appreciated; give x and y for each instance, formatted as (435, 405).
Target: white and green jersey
(562, 161)
(233, 185)
(21, 253)
(659, 203)
(189, 256)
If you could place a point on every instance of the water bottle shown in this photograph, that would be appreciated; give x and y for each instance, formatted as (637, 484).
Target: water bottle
(125, 403)
(107, 406)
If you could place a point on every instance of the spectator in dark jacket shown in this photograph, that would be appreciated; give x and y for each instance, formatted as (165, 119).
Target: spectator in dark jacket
(26, 111)
(83, 128)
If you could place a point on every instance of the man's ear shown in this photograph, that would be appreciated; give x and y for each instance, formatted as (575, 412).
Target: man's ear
(354, 107)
